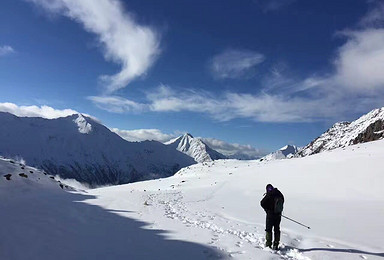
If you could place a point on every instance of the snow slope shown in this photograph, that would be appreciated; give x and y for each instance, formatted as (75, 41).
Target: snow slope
(368, 127)
(18, 177)
(338, 194)
(195, 148)
(205, 211)
(287, 151)
(40, 221)
(80, 148)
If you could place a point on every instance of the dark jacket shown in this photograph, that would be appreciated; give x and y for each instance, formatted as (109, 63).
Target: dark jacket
(268, 202)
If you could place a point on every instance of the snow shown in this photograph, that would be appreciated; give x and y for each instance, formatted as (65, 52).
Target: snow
(287, 151)
(343, 134)
(77, 147)
(195, 148)
(209, 210)
(83, 125)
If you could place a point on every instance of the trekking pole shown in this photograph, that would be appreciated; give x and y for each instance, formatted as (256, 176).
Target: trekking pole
(295, 221)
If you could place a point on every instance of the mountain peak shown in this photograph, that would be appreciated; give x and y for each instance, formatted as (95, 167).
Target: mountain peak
(195, 148)
(83, 126)
(369, 127)
(188, 135)
(287, 151)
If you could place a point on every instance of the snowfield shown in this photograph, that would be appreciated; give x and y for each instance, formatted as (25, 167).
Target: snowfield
(206, 211)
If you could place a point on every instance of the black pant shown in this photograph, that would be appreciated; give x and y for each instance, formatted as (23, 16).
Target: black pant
(273, 220)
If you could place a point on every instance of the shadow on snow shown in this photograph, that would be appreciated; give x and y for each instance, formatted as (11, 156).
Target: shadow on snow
(53, 225)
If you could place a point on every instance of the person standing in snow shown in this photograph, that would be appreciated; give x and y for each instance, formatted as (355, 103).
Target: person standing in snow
(272, 203)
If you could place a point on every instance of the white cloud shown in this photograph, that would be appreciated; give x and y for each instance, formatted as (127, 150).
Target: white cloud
(233, 149)
(35, 111)
(5, 50)
(360, 61)
(117, 104)
(124, 41)
(354, 85)
(233, 64)
(227, 106)
(143, 134)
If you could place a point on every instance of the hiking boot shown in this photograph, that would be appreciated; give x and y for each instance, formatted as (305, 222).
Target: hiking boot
(276, 241)
(268, 239)
(275, 246)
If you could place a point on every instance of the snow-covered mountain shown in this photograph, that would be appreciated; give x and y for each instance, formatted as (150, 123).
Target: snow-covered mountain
(287, 151)
(369, 127)
(80, 148)
(195, 148)
(205, 211)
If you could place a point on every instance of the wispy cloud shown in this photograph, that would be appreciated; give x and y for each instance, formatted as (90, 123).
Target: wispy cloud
(234, 64)
(355, 84)
(35, 111)
(234, 149)
(143, 134)
(273, 5)
(5, 50)
(374, 18)
(124, 41)
(117, 104)
(226, 106)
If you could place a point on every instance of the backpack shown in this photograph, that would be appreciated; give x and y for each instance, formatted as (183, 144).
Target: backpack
(278, 205)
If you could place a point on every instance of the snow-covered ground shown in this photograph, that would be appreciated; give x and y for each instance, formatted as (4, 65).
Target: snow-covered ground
(207, 211)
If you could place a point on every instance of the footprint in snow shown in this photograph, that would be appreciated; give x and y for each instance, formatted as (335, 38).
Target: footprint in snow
(239, 244)
(363, 257)
(231, 254)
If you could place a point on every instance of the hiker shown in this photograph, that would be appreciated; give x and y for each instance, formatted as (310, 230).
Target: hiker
(272, 203)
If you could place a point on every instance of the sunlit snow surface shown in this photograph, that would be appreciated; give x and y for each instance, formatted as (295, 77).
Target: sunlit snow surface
(342, 134)
(207, 211)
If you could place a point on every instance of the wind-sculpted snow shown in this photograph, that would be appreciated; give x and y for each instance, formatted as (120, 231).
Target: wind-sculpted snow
(80, 148)
(195, 148)
(367, 128)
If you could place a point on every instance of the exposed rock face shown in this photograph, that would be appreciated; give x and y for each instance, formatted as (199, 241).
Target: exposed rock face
(374, 131)
(369, 127)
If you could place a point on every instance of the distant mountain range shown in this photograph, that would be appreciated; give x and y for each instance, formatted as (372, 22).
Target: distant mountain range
(369, 127)
(195, 148)
(79, 147)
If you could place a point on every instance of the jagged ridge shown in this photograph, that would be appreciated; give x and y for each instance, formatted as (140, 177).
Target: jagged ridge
(195, 148)
(369, 127)
(79, 147)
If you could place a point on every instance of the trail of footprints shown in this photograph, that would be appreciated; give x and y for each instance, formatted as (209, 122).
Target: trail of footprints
(174, 208)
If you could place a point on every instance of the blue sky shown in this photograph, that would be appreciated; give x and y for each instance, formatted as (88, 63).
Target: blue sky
(263, 73)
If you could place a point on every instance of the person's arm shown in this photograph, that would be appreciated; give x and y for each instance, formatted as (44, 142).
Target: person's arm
(264, 202)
